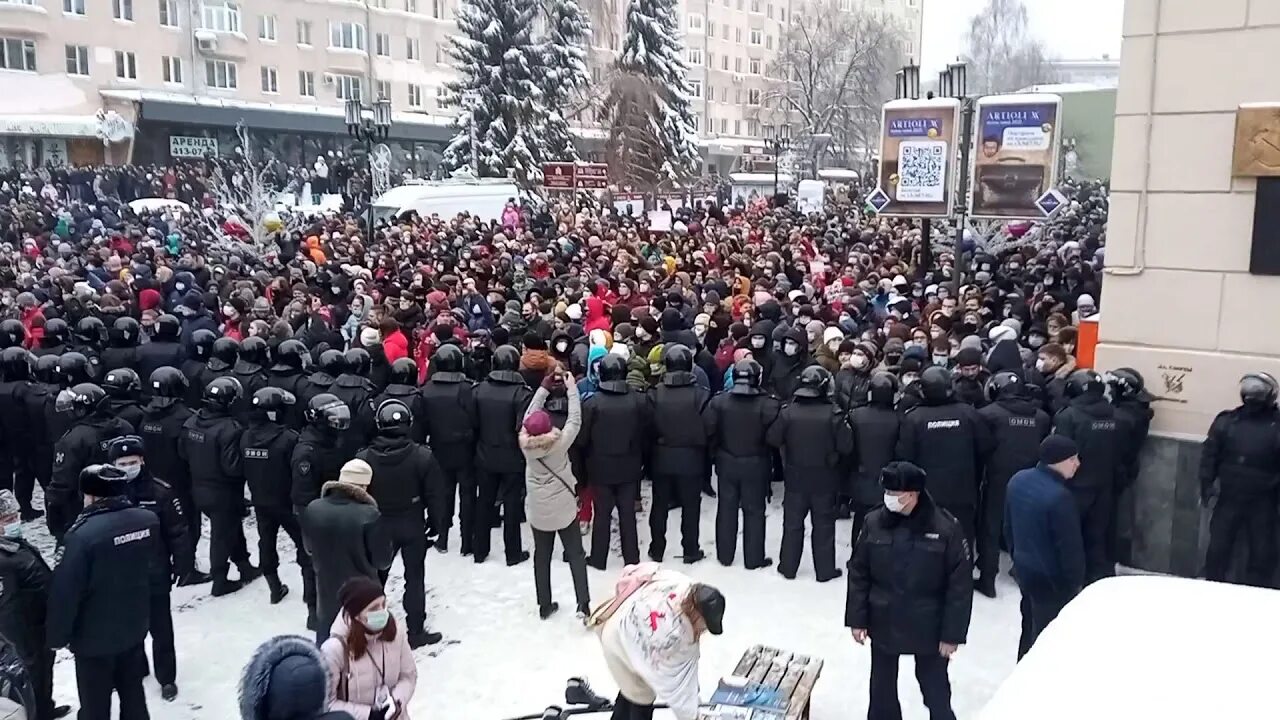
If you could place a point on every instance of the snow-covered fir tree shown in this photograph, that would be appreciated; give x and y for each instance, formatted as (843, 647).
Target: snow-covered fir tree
(497, 61)
(564, 73)
(652, 49)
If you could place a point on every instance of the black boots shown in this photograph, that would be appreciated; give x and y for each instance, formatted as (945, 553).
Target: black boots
(278, 589)
(424, 637)
(169, 692)
(222, 586)
(248, 573)
(547, 611)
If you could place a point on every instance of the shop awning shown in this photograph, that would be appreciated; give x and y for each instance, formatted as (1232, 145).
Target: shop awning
(69, 126)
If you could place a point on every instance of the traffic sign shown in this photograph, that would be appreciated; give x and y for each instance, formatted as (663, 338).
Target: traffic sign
(878, 199)
(558, 175)
(1050, 202)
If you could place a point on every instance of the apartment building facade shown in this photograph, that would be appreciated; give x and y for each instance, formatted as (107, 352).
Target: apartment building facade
(118, 80)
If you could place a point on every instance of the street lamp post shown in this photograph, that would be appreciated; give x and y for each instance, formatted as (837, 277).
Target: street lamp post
(777, 145)
(908, 88)
(370, 128)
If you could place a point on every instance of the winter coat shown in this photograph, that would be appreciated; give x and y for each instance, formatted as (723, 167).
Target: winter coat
(343, 533)
(287, 679)
(551, 503)
(1100, 435)
(388, 663)
(396, 346)
(1240, 452)
(1042, 527)
(948, 441)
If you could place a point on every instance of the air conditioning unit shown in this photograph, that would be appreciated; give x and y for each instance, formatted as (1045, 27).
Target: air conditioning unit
(206, 41)
(737, 79)
(330, 79)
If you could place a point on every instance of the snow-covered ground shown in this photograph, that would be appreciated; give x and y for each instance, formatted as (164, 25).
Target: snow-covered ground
(498, 660)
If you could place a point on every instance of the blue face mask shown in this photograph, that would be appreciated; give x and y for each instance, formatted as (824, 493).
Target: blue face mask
(13, 529)
(376, 620)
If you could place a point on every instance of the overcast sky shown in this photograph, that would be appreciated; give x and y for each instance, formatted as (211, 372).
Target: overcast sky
(1071, 29)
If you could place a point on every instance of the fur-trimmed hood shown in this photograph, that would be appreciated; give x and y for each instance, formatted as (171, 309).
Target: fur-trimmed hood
(354, 493)
(286, 679)
(536, 446)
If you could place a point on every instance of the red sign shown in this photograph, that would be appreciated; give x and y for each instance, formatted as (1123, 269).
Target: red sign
(558, 175)
(592, 176)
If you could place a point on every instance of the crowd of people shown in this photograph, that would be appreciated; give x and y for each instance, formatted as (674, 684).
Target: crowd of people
(421, 385)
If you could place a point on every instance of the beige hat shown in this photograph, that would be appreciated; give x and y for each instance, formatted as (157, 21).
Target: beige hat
(356, 472)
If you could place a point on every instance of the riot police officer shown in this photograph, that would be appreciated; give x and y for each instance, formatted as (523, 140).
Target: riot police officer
(211, 445)
(81, 446)
(738, 423)
(250, 370)
(406, 484)
(223, 356)
(329, 366)
(17, 471)
(122, 345)
(1238, 466)
(402, 385)
(122, 387)
(267, 447)
(354, 388)
(164, 350)
(24, 603)
(193, 367)
(812, 435)
(12, 333)
(87, 338)
(500, 402)
(875, 424)
(1017, 425)
(56, 335)
(154, 494)
(448, 421)
(1132, 402)
(288, 374)
(1091, 422)
(44, 426)
(163, 418)
(679, 452)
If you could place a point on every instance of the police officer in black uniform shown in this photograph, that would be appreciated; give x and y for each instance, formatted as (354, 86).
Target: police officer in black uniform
(163, 418)
(154, 494)
(87, 338)
(813, 436)
(82, 445)
(407, 485)
(948, 440)
(73, 369)
(1091, 422)
(267, 447)
(614, 441)
(737, 429)
(42, 423)
(250, 370)
(99, 600)
(402, 385)
(123, 388)
(1017, 425)
(122, 345)
(223, 356)
(12, 333)
(193, 366)
(316, 458)
(500, 402)
(329, 366)
(448, 421)
(17, 471)
(288, 374)
(875, 425)
(1240, 466)
(679, 452)
(56, 335)
(164, 350)
(1132, 402)
(211, 445)
(354, 388)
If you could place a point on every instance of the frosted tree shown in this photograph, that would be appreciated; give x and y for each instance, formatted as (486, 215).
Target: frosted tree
(1003, 53)
(652, 51)
(244, 189)
(503, 107)
(564, 77)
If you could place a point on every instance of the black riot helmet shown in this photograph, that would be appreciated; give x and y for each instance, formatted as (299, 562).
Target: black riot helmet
(327, 411)
(167, 327)
(814, 382)
(270, 402)
(81, 400)
(1127, 383)
(677, 358)
(12, 333)
(226, 350)
(73, 368)
(202, 342)
(1084, 383)
(747, 377)
(290, 355)
(221, 393)
(448, 358)
(91, 331)
(935, 385)
(393, 418)
(253, 351)
(1258, 390)
(56, 332)
(882, 389)
(613, 374)
(47, 369)
(124, 332)
(122, 384)
(358, 361)
(505, 358)
(1005, 385)
(404, 371)
(332, 362)
(168, 382)
(15, 364)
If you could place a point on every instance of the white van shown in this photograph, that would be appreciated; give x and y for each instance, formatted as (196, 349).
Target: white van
(482, 198)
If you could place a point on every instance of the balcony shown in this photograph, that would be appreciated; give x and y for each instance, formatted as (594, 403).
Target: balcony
(222, 45)
(24, 20)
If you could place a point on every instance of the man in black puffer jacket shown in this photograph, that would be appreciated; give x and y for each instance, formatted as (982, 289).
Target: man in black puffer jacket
(679, 452)
(875, 439)
(500, 402)
(447, 404)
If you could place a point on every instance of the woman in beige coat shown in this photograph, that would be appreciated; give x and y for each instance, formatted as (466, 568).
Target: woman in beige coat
(551, 504)
(372, 675)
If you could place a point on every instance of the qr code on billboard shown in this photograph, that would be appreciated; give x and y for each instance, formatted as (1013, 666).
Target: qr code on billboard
(922, 170)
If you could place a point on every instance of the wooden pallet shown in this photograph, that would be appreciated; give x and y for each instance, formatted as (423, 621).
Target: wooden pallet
(793, 675)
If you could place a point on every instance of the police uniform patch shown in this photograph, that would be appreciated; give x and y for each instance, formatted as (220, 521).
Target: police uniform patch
(304, 467)
(59, 458)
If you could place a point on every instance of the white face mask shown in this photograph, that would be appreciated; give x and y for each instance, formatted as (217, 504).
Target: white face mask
(893, 503)
(376, 620)
(13, 529)
(757, 342)
(790, 348)
(834, 345)
(860, 361)
(130, 471)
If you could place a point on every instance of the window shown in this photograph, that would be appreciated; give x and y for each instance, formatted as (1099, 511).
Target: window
(753, 96)
(695, 21)
(737, 35)
(442, 96)
(711, 60)
(697, 123)
(711, 29)
(382, 44)
(911, 48)
(415, 96)
(755, 6)
(768, 132)
(270, 80)
(122, 9)
(267, 27)
(846, 5)
(220, 16)
(126, 65)
(346, 35)
(737, 127)
(349, 87)
(304, 32)
(768, 42)
(753, 127)
(439, 54)
(437, 9)
(412, 49)
(306, 83)
(171, 69)
(17, 54)
(73, 7)
(695, 88)
(768, 11)
(753, 66)
(737, 64)
(782, 14)
(77, 60)
(724, 126)
(737, 96)
(383, 89)
(724, 62)
(411, 6)
(169, 13)
(724, 31)
(221, 74)
(757, 36)
(695, 57)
